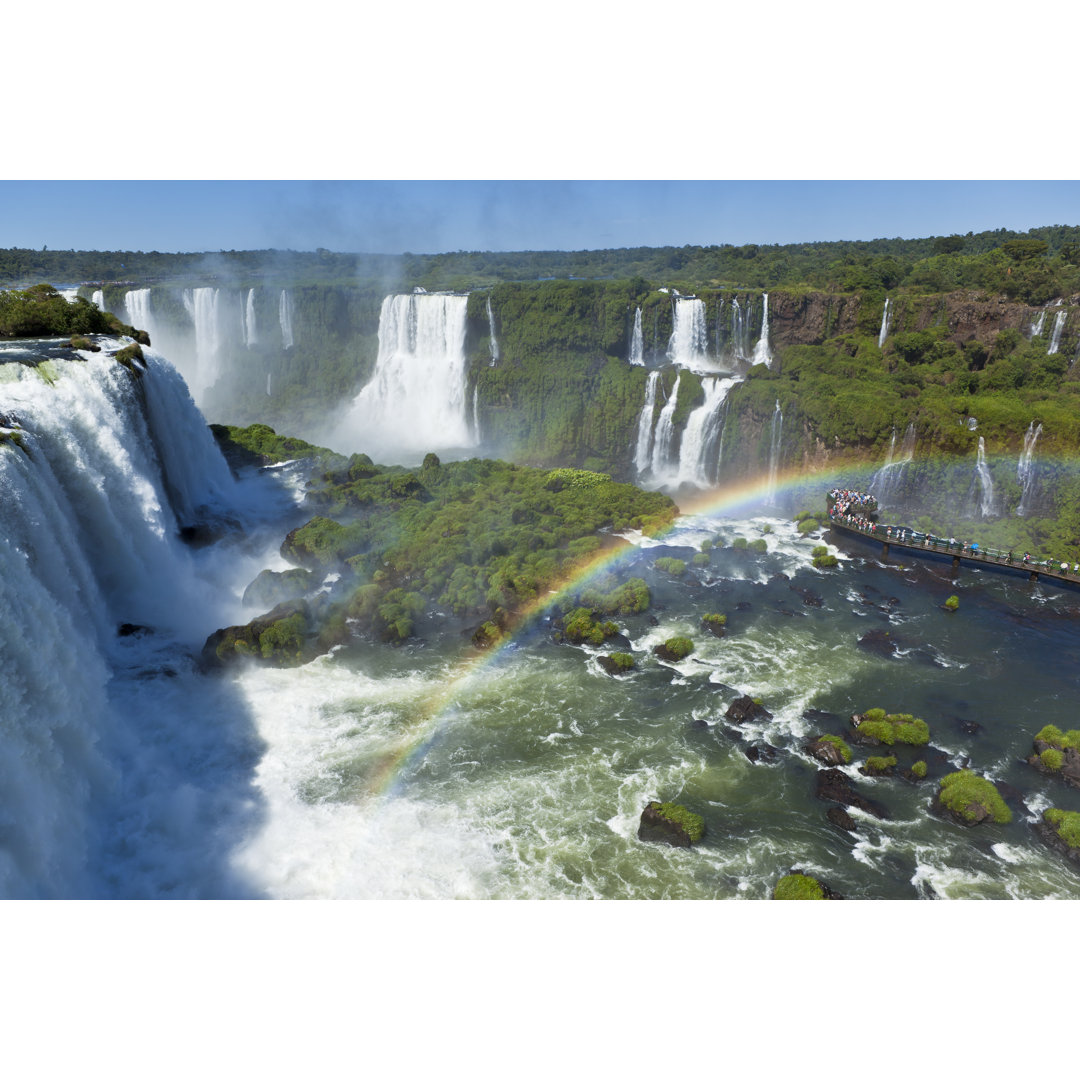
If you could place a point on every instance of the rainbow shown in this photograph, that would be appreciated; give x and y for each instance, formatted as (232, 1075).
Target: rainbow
(727, 501)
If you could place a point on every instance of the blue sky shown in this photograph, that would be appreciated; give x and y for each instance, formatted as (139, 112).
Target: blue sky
(432, 216)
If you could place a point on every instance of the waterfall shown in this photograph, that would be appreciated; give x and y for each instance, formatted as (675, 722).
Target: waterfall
(251, 336)
(762, 355)
(984, 481)
(285, 313)
(886, 482)
(137, 308)
(70, 295)
(637, 342)
(491, 332)
(269, 377)
(688, 346)
(883, 333)
(1025, 468)
(775, 443)
(476, 414)
(718, 347)
(1055, 335)
(88, 781)
(202, 306)
(1037, 324)
(415, 400)
(702, 433)
(643, 448)
(740, 330)
(665, 435)
(99, 299)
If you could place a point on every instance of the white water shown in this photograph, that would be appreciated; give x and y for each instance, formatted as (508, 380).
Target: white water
(98, 298)
(703, 429)
(491, 334)
(762, 355)
(883, 333)
(202, 305)
(137, 308)
(70, 295)
(1037, 324)
(637, 342)
(285, 313)
(665, 435)
(476, 415)
(986, 484)
(688, 346)
(775, 444)
(1025, 467)
(415, 401)
(251, 334)
(1055, 335)
(887, 480)
(643, 447)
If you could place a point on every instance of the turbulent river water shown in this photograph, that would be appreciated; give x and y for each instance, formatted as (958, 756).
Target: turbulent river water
(419, 772)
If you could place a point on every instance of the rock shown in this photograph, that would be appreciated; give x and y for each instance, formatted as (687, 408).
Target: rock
(828, 751)
(878, 766)
(762, 752)
(1070, 763)
(1049, 836)
(833, 786)
(841, 818)
(973, 813)
(808, 596)
(744, 605)
(878, 642)
(969, 727)
(614, 667)
(274, 587)
(746, 708)
(669, 823)
(799, 886)
(128, 629)
(699, 725)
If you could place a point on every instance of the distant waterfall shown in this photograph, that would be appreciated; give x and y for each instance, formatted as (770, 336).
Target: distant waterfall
(887, 480)
(285, 313)
(762, 355)
(689, 341)
(1055, 335)
(883, 333)
(476, 413)
(202, 306)
(99, 299)
(718, 343)
(740, 330)
(251, 336)
(269, 377)
(702, 434)
(775, 444)
(70, 295)
(491, 332)
(637, 342)
(1037, 324)
(643, 449)
(984, 482)
(665, 434)
(137, 309)
(1025, 467)
(415, 400)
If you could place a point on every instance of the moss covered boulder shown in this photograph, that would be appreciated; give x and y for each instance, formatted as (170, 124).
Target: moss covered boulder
(618, 663)
(273, 587)
(799, 886)
(878, 766)
(291, 634)
(670, 823)
(746, 708)
(875, 727)
(1060, 830)
(715, 624)
(969, 799)
(1057, 753)
(829, 750)
(674, 649)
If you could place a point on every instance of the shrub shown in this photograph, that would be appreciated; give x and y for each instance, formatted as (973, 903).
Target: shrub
(880, 764)
(840, 744)
(798, 887)
(708, 544)
(802, 515)
(739, 543)
(961, 790)
(580, 626)
(1062, 740)
(952, 603)
(918, 770)
(825, 562)
(624, 661)
(674, 567)
(894, 728)
(766, 529)
(820, 550)
(1051, 758)
(678, 648)
(701, 559)
(714, 620)
(758, 546)
(808, 526)
(1066, 823)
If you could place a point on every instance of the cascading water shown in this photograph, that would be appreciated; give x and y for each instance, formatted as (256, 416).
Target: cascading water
(688, 346)
(701, 435)
(740, 330)
(285, 318)
(491, 333)
(476, 415)
(1025, 467)
(202, 305)
(775, 444)
(984, 482)
(883, 333)
(718, 331)
(664, 436)
(98, 298)
(1036, 327)
(1055, 335)
(137, 308)
(415, 400)
(887, 481)
(643, 447)
(251, 335)
(761, 354)
(637, 342)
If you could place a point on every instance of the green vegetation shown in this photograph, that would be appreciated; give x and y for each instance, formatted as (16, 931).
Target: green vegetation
(580, 627)
(1052, 759)
(893, 728)
(128, 356)
(973, 797)
(798, 887)
(880, 764)
(622, 661)
(739, 543)
(918, 770)
(607, 598)
(840, 744)
(759, 546)
(952, 603)
(41, 311)
(674, 567)
(713, 620)
(825, 562)
(808, 525)
(1066, 823)
(692, 824)
(701, 559)
(1061, 740)
(259, 444)
(819, 550)
(677, 648)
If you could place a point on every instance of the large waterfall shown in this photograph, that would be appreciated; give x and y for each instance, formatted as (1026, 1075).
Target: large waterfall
(106, 789)
(285, 318)
(137, 310)
(886, 482)
(251, 335)
(1025, 467)
(983, 483)
(883, 333)
(202, 306)
(416, 400)
(762, 354)
(689, 342)
(494, 341)
(643, 446)
(740, 329)
(702, 435)
(637, 342)
(1055, 334)
(664, 435)
(776, 440)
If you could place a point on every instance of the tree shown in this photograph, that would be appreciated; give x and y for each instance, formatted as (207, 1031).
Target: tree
(948, 245)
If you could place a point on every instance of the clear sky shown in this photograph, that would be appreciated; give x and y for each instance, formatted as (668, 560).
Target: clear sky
(432, 216)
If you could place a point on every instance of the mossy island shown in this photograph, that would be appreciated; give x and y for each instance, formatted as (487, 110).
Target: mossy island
(829, 750)
(799, 886)
(670, 823)
(969, 799)
(715, 624)
(875, 727)
(674, 649)
(617, 663)
(1057, 753)
(1060, 830)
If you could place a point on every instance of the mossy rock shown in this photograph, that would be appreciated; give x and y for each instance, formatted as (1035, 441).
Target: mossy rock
(581, 627)
(715, 624)
(826, 562)
(618, 663)
(875, 727)
(701, 559)
(284, 637)
(879, 766)
(487, 635)
(918, 771)
(798, 886)
(84, 344)
(273, 587)
(131, 357)
(830, 750)
(670, 823)
(1057, 754)
(674, 649)
(970, 799)
(740, 543)
(674, 567)
(1060, 830)
(808, 526)
(952, 603)
(759, 547)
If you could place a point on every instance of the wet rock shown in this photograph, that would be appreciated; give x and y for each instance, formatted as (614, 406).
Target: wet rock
(668, 823)
(1070, 763)
(878, 642)
(746, 708)
(761, 752)
(699, 725)
(1048, 835)
(653, 620)
(778, 577)
(969, 727)
(819, 716)
(841, 818)
(828, 751)
(744, 605)
(808, 596)
(834, 786)
(128, 629)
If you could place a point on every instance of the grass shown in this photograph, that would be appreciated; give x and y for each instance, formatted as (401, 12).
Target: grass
(961, 790)
(692, 824)
(1066, 823)
(798, 887)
